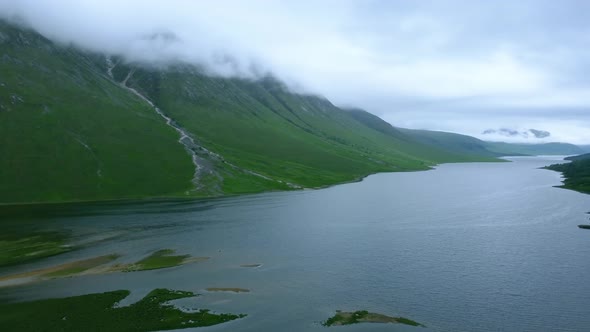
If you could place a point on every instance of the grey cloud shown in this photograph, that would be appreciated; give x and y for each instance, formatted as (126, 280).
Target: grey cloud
(529, 133)
(540, 133)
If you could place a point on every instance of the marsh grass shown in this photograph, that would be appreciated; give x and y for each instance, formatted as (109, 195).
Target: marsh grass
(160, 259)
(96, 312)
(22, 248)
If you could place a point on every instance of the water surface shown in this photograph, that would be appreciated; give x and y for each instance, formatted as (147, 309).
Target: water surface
(465, 247)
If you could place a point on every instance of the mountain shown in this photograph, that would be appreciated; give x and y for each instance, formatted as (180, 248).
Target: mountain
(448, 147)
(452, 143)
(516, 149)
(81, 126)
(67, 132)
(460, 147)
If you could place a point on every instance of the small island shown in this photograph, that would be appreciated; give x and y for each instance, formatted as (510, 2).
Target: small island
(160, 259)
(363, 316)
(228, 289)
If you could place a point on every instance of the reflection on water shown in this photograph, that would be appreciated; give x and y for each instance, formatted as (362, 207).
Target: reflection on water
(466, 247)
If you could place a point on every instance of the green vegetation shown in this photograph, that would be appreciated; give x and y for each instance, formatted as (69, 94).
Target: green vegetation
(160, 259)
(299, 139)
(89, 138)
(403, 320)
(17, 247)
(514, 149)
(69, 133)
(97, 265)
(363, 316)
(96, 312)
(576, 173)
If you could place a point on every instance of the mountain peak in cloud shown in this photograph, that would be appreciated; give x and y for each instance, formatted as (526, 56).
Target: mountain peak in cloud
(444, 66)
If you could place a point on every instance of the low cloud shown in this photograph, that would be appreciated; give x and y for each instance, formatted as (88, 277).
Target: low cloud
(463, 66)
(502, 133)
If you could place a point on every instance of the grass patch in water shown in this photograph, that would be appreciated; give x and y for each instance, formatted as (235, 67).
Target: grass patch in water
(363, 316)
(21, 248)
(97, 265)
(96, 312)
(160, 259)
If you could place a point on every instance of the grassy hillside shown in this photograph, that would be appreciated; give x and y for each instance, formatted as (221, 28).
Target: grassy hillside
(69, 133)
(261, 126)
(576, 173)
(71, 130)
(514, 149)
(299, 139)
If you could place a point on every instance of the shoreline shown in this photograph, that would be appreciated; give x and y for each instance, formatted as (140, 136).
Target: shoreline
(196, 198)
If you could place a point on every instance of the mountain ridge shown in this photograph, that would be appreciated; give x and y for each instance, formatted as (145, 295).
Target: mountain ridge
(76, 125)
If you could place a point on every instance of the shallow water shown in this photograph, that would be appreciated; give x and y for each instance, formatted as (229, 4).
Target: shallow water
(465, 247)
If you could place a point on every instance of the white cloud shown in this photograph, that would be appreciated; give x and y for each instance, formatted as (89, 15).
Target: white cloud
(461, 62)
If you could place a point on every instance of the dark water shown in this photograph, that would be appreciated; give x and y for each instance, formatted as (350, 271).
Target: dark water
(466, 247)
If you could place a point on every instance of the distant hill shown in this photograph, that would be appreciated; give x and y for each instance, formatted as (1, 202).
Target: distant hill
(579, 157)
(451, 142)
(80, 126)
(515, 149)
(455, 147)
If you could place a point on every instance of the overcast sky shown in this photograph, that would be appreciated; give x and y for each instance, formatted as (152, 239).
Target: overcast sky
(462, 66)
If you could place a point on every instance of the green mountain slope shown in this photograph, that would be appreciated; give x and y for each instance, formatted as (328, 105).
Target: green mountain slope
(78, 126)
(261, 126)
(514, 149)
(69, 133)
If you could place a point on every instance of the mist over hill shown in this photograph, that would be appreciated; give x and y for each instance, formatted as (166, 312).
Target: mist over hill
(81, 125)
